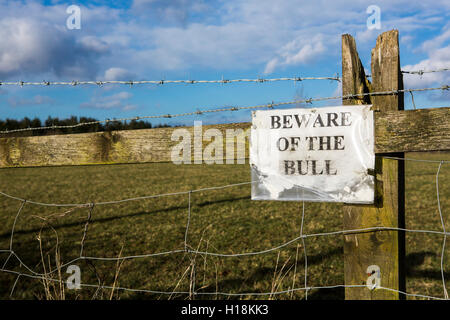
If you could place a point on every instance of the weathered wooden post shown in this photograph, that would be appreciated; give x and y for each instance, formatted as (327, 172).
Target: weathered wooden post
(384, 249)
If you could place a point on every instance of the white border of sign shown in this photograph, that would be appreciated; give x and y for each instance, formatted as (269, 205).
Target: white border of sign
(320, 154)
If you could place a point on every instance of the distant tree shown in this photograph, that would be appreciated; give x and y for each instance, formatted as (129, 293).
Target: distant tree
(111, 125)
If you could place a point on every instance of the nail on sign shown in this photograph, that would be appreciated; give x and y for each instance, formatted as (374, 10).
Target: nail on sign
(321, 154)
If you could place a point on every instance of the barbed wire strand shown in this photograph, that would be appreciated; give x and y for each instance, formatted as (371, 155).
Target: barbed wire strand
(186, 81)
(421, 72)
(417, 72)
(302, 236)
(161, 82)
(226, 109)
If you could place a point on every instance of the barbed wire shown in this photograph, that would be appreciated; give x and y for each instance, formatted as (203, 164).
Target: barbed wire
(161, 82)
(186, 81)
(226, 109)
(187, 248)
(418, 72)
(421, 72)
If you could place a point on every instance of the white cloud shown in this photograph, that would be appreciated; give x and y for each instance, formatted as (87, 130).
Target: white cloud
(179, 35)
(118, 74)
(297, 52)
(94, 44)
(438, 58)
(36, 43)
(249, 34)
(115, 101)
(30, 47)
(436, 42)
(234, 46)
(271, 65)
(177, 12)
(438, 51)
(14, 101)
(129, 107)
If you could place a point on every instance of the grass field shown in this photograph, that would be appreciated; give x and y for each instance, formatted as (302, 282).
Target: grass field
(224, 221)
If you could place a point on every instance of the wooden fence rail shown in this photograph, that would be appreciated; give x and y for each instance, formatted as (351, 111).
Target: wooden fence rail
(395, 131)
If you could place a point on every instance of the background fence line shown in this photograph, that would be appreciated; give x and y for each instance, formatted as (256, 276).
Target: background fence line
(232, 108)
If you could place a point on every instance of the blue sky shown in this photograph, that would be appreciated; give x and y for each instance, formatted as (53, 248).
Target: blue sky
(202, 40)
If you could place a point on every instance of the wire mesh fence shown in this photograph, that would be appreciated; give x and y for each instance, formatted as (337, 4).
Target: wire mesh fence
(190, 245)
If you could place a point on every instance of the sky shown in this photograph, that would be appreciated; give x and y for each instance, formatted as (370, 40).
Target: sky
(203, 40)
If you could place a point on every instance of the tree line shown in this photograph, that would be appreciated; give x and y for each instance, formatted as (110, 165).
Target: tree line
(112, 125)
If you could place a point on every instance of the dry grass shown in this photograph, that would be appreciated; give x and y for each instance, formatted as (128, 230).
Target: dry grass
(225, 221)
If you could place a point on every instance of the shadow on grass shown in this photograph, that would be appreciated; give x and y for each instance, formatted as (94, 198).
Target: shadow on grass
(416, 259)
(118, 217)
(327, 294)
(265, 274)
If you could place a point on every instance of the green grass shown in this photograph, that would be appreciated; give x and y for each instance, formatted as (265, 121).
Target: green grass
(224, 221)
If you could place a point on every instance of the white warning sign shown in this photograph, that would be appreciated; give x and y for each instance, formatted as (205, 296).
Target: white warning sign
(322, 154)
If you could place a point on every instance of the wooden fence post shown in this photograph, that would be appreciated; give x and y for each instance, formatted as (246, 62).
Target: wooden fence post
(385, 249)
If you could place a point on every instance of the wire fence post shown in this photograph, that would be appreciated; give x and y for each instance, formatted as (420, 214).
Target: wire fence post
(384, 249)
